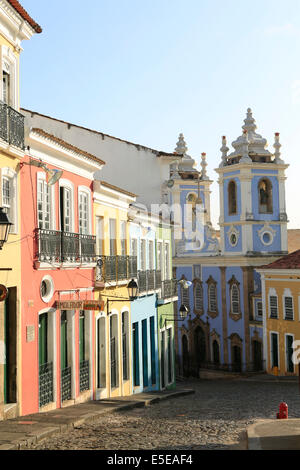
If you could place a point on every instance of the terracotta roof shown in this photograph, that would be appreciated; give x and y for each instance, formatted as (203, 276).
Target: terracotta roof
(116, 188)
(158, 153)
(291, 261)
(22, 12)
(67, 145)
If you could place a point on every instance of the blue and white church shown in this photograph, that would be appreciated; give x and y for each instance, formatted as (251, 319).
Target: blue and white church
(223, 328)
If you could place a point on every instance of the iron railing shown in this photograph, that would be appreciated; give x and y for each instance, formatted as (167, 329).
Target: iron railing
(55, 246)
(12, 126)
(84, 376)
(169, 288)
(149, 281)
(113, 362)
(116, 268)
(45, 384)
(66, 388)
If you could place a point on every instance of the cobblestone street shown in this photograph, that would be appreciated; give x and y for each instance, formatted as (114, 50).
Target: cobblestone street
(214, 418)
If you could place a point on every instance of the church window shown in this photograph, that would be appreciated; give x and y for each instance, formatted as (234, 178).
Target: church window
(232, 198)
(265, 197)
(198, 297)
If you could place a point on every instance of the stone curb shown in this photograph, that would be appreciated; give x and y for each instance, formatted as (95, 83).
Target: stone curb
(39, 435)
(253, 441)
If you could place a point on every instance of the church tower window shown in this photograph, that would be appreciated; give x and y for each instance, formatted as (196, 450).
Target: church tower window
(265, 197)
(232, 198)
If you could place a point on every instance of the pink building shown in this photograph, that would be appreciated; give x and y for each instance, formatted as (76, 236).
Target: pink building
(58, 265)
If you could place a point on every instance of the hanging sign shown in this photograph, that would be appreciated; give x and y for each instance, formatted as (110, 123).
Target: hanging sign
(3, 293)
(93, 305)
(80, 305)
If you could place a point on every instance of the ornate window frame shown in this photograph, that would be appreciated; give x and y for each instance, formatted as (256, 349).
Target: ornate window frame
(270, 207)
(234, 283)
(211, 283)
(230, 212)
(198, 284)
(233, 231)
(12, 176)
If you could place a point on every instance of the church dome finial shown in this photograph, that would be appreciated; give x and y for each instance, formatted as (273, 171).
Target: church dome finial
(181, 147)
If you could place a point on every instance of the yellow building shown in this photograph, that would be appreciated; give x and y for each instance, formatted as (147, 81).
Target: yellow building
(281, 313)
(114, 271)
(15, 26)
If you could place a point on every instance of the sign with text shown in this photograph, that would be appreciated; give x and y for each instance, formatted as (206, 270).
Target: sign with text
(80, 305)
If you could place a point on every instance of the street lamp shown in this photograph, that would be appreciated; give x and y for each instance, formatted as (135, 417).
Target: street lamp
(5, 225)
(132, 289)
(183, 312)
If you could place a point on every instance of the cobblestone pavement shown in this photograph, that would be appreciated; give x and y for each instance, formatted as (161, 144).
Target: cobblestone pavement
(214, 418)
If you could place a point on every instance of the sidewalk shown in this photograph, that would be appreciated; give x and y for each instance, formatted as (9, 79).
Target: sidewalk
(279, 434)
(17, 434)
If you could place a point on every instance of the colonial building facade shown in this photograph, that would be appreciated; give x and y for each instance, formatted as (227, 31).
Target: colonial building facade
(224, 327)
(15, 26)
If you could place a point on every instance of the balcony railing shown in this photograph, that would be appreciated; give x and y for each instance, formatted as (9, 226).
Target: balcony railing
(11, 126)
(54, 246)
(116, 268)
(169, 289)
(84, 376)
(45, 384)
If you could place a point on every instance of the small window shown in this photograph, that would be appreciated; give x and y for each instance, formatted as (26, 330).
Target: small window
(235, 299)
(273, 307)
(198, 297)
(83, 213)
(6, 87)
(43, 204)
(112, 237)
(9, 197)
(259, 309)
(212, 298)
(288, 308)
(265, 197)
(123, 237)
(232, 198)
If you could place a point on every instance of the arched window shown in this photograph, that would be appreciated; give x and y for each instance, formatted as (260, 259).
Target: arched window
(265, 197)
(198, 297)
(212, 298)
(235, 299)
(192, 212)
(232, 198)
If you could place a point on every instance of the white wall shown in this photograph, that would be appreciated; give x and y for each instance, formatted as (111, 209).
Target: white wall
(133, 168)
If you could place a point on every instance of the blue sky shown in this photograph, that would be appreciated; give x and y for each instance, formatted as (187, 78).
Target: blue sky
(146, 70)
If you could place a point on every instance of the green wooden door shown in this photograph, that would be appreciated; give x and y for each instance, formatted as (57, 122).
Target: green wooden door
(43, 334)
(63, 342)
(81, 337)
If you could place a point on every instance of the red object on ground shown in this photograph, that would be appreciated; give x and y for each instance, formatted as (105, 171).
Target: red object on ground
(283, 411)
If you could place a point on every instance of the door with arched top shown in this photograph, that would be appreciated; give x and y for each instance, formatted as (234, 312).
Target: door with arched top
(199, 347)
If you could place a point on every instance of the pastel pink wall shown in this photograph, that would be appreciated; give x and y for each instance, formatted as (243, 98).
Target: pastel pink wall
(31, 302)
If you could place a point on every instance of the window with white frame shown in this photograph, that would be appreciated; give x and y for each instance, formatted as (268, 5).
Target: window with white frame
(8, 68)
(159, 256)
(167, 261)
(9, 196)
(273, 301)
(43, 204)
(288, 308)
(259, 309)
(133, 247)
(123, 237)
(143, 255)
(151, 255)
(112, 237)
(83, 208)
(212, 298)
(235, 299)
(66, 209)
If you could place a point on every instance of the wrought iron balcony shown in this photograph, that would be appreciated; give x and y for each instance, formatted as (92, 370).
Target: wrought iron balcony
(149, 281)
(84, 376)
(169, 289)
(116, 268)
(12, 126)
(55, 247)
(45, 384)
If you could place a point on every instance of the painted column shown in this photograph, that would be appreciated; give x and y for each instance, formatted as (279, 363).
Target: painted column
(224, 315)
